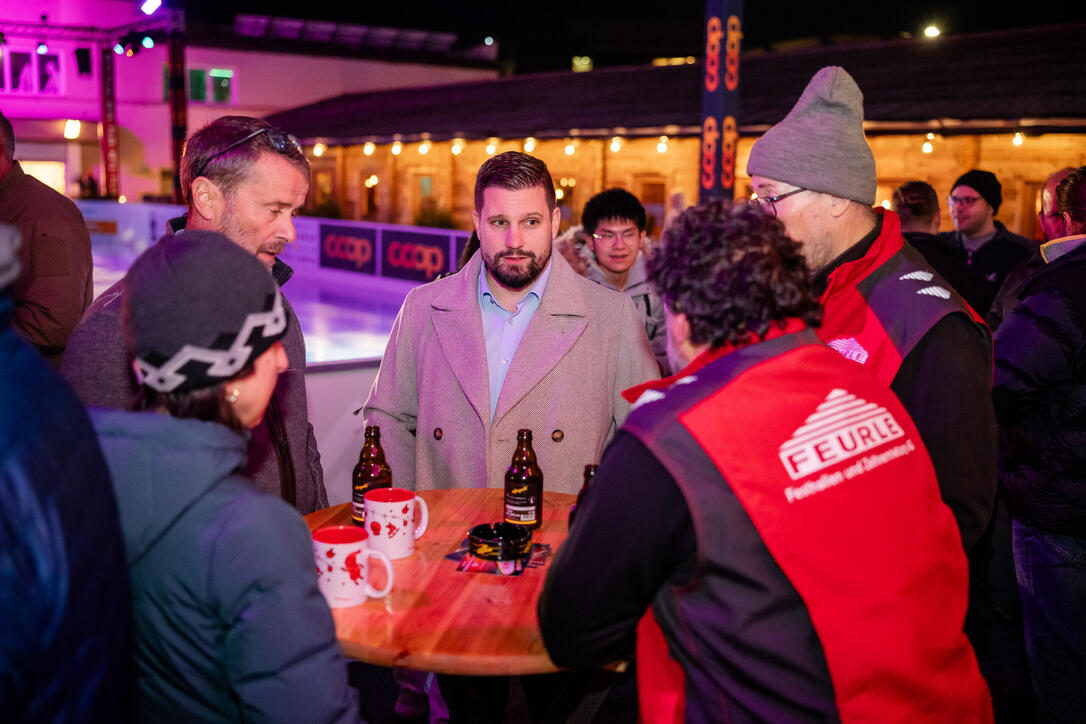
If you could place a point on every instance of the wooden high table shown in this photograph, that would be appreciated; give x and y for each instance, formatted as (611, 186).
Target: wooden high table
(439, 619)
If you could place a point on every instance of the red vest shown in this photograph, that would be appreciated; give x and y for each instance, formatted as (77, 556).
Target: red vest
(877, 308)
(834, 477)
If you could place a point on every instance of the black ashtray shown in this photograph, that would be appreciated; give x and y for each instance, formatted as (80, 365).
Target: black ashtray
(500, 542)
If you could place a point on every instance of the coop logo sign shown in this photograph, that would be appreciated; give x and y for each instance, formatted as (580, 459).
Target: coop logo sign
(714, 33)
(430, 260)
(710, 137)
(414, 255)
(348, 247)
(720, 98)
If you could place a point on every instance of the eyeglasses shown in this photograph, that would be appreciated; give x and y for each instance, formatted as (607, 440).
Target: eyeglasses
(627, 237)
(280, 141)
(963, 201)
(769, 203)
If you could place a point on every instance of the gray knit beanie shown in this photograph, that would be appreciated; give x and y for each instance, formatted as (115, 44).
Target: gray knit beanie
(198, 308)
(820, 144)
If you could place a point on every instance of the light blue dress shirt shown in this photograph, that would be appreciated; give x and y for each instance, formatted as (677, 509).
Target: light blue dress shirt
(502, 330)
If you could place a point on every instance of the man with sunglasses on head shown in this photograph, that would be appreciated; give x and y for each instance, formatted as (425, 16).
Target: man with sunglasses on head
(245, 179)
(884, 307)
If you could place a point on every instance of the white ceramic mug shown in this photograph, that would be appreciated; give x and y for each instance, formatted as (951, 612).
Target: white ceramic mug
(390, 520)
(342, 554)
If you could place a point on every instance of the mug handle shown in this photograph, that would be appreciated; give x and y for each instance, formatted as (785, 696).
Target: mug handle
(424, 515)
(370, 590)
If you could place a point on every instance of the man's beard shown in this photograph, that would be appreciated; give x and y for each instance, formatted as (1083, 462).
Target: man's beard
(516, 278)
(233, 230)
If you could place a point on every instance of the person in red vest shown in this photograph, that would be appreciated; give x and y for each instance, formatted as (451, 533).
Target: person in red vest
(774, 504)
(885, 308)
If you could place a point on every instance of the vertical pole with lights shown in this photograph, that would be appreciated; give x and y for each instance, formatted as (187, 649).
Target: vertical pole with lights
(720, 98)
(110, 153)
(178, 103)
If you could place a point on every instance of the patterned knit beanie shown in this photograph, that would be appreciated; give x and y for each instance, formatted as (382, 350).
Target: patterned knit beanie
(820, 144)
(198, 309)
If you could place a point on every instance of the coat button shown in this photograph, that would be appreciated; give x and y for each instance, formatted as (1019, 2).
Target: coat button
(557, 435)
(438, 433)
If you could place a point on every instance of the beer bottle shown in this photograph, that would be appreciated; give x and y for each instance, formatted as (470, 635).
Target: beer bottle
(589, 477)
(371, 472)
(524, 485)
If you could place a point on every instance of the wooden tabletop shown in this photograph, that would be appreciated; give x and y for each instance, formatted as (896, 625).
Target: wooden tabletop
(440, 619)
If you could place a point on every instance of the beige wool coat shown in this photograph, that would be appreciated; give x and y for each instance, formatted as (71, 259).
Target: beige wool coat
(431, 396)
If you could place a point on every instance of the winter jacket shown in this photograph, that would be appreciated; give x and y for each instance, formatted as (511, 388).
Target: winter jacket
(230, 625)
(1040, 396)
(996, 258)
(65, 617)
(648, 304)
(55, 286)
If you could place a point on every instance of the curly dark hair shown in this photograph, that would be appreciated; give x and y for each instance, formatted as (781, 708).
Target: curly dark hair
(733, 272)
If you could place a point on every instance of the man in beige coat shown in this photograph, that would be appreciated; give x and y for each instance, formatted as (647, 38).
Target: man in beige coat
(514, 340)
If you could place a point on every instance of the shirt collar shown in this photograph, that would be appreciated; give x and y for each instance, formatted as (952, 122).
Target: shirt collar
(537, 288)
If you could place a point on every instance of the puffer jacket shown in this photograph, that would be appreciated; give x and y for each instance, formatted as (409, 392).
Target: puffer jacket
(229, 623)
(1040, 396)
(65, 620)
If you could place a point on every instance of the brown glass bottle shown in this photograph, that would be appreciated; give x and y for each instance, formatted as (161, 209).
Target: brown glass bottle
(371, 472)
(524, 485)
(589, 477)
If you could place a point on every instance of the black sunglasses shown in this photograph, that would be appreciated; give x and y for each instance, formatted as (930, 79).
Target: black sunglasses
(280, 141)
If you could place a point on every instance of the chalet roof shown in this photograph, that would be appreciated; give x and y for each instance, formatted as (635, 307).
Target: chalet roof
(1029, 80)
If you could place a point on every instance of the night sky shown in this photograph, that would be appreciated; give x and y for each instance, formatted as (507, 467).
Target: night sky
(537, 36)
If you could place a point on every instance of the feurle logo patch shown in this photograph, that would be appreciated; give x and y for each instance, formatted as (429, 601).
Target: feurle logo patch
(841, 428)
(849, 348)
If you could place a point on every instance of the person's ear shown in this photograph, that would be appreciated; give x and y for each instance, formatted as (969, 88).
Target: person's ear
(207, 198)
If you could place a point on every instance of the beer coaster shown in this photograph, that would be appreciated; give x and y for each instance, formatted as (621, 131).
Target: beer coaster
(470, 564)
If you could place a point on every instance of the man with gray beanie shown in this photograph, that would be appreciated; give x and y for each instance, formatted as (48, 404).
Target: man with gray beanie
(978, 239)
(884, 307)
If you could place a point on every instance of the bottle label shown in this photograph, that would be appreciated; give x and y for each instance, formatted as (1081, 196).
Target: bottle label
(522, 515)
(358, 511)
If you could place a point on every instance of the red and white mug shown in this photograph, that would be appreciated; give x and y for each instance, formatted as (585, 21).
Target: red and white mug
(390, 520)
(342, 554)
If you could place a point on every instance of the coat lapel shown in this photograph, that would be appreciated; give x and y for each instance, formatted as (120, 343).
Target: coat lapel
(459, 327)
(556, 326)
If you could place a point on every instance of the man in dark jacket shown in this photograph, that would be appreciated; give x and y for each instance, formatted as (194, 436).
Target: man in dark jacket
(783, 502)
(245, 179)
(54, 288)
(917, 205)
(978, 238)
(65, 616)
(1040, 399)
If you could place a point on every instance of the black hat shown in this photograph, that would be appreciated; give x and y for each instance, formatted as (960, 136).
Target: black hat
(984, 183)
(198, 309)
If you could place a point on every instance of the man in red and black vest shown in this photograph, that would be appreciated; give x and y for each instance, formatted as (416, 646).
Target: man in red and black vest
(884, 306)
(777, 508)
